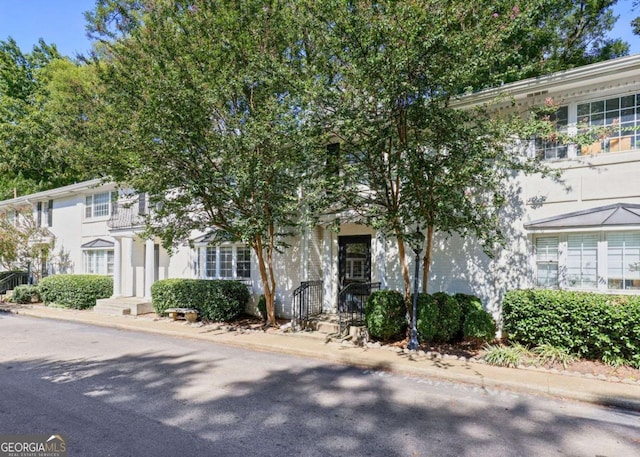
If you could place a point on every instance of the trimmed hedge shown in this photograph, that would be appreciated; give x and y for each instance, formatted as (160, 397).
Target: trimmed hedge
(215, 300)
(75, 291)
(439, 317)
(594, 326)
(385, 314)
(479, 327)
(25, 294)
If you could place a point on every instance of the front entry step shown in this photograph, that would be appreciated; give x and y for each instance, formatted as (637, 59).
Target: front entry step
(123, 306)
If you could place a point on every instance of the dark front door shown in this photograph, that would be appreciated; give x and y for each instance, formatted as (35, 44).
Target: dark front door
(354, 259)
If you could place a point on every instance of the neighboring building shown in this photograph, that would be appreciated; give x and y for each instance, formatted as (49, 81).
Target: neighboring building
(582, 232)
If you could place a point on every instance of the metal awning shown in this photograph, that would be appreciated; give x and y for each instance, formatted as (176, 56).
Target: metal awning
(214, 236)
(617, 215)
(98, 243)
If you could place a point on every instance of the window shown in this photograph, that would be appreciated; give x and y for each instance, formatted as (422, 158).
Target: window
(547, 261)
(45, 213)
(98, 261)
(582, 261)
(97, 205)
(623, 261)
(619, 117)
(548, 149)
(227, 262)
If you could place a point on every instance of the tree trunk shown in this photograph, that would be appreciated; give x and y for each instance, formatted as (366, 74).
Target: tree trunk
(402, 256)
(427, 259)
(268, 282)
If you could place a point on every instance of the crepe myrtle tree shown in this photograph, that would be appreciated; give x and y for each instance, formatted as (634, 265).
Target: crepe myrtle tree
(203, 112)
(389, 72)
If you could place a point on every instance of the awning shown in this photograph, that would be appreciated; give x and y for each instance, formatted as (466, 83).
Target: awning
(617, 215)
(98, 243)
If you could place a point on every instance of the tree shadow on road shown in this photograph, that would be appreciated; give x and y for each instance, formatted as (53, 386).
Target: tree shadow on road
(156, 404)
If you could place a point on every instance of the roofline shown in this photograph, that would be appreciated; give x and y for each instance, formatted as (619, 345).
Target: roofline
(553, 81)
(57, 192)
(528, 225)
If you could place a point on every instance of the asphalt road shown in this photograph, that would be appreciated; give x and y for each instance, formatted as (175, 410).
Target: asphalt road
(117, 393)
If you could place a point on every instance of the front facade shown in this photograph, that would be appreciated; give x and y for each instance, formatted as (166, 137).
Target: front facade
(580, 232)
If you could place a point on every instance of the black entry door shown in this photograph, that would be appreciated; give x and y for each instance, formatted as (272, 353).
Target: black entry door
(354, 259)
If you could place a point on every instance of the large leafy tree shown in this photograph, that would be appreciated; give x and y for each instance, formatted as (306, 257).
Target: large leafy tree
(34, 153)
(390, 73)
(203, 112)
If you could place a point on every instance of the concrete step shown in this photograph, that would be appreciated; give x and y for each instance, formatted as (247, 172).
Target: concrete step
(123, 306)
(112, 310)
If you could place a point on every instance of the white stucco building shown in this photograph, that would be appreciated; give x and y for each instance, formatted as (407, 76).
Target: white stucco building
(580, 232)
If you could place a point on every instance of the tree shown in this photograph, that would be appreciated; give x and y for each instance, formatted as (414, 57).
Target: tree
(410, 158)
(23, 244)
(204, 114)
(34, 154)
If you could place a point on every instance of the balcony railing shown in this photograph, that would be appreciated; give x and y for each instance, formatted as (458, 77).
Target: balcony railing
(128, 214)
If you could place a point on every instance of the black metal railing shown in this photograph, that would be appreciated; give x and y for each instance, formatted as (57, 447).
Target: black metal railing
(127, 214)
(307, 302)
(351, 301)
(12, 280)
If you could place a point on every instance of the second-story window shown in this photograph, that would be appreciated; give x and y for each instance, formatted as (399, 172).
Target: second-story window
(97, 205)
(550, 148)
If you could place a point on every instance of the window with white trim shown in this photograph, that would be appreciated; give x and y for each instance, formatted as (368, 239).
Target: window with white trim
(617, 117)
(547, 261)
(97, 205)
(549, 148)
(227, 262)
(582, 261)
(623, 261)
(98, 261)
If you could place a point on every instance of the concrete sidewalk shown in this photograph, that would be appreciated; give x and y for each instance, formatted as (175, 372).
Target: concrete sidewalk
(580, 388)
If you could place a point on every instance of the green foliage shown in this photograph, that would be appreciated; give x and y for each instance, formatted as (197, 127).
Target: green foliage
(385, 314)
(479, 326)
(438, 317)
(546, 353)
(215, 300)
(594, 326)
(262, 306)
(25, 294)
(34, 154)
(75, 291)
(505, 356)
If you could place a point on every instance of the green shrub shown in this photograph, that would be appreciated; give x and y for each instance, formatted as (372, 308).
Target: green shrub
(385, 314)
(262, 307)
(505, 356)
(594, 326)
(75, 291)
(438, 317)
(468, 304)
(479, 326)
(215, 300)
(25, 294)
(547, 353)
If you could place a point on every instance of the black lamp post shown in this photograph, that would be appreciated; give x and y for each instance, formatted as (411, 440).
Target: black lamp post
(416, 245)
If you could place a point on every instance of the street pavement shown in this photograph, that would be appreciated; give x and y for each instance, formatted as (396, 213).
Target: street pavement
(602, 392)
(110, 391)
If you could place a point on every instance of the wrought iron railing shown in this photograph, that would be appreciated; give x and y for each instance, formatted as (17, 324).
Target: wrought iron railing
(351, 301)
(307, 302)
(12, 280)
(127, 214)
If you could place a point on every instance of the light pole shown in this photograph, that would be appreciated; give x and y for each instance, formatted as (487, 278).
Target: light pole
(416, 245)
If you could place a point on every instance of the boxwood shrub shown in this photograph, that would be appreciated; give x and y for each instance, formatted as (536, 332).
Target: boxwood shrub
(594, 326)
(25, 294)
(385, 314)
(215, 300)
(75, 291)
(479, 327)
(439, 317)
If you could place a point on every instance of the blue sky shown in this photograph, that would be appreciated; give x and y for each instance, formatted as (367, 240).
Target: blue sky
(62, 22)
